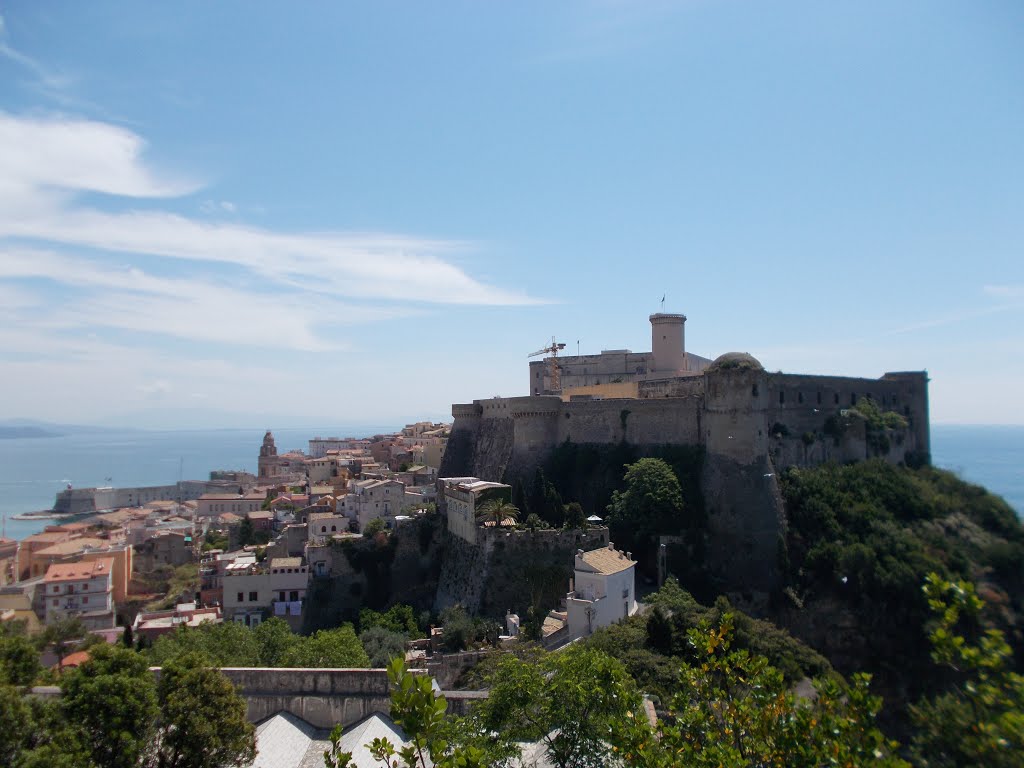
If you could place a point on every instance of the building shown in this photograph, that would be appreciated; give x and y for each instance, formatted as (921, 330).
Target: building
(210, 504)
(668, 358)
(460, 499)
(171, 548)
(254, 591)
(323, 525)
(602, 592)
(371, 499)
(152, 625)
(267, 464)
(83, 589)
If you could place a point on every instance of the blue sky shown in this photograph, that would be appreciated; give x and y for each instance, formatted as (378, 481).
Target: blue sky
(326, 213)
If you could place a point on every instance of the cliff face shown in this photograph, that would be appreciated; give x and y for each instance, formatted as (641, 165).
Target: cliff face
(511, 570)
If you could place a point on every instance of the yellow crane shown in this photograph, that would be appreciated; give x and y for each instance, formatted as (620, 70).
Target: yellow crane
(554, 372)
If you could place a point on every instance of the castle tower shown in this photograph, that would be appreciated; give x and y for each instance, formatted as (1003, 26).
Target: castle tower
(668, 348)
(268, 462)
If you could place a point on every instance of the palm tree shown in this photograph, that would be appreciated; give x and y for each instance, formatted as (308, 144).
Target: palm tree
(497, 512)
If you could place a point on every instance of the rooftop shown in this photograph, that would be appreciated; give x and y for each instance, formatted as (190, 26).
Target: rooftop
(78, 571)
(607, 560)
(285, 562)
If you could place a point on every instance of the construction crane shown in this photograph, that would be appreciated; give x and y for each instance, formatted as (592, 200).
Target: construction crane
(554, 369)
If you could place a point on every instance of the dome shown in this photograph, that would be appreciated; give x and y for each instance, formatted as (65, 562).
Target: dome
(735, 361)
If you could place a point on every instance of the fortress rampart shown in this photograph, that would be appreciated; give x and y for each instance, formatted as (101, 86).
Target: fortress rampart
(742, 413)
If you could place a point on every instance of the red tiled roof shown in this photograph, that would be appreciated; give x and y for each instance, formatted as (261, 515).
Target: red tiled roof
(78, 571)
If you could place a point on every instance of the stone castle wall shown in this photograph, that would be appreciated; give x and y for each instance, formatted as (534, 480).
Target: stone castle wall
(511, 569)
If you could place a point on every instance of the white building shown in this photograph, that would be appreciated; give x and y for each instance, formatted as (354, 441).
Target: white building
(370, 499)
(212, 504)
(462, 497)
(603, 590)
(84, 589)
(323, 525)
(253, 591)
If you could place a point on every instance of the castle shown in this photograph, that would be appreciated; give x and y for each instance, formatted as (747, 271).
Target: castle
(751, 424)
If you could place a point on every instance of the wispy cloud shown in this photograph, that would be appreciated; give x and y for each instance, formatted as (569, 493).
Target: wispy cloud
(1006, 291)
(212, 281)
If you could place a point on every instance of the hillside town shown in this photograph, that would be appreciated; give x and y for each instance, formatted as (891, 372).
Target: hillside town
(275, 534)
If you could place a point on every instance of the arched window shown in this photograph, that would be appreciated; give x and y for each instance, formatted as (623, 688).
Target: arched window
(334, 528)
(323, 529)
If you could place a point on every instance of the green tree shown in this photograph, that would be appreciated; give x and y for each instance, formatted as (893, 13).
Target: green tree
(246, 532)
(64, 635)
(228, 644)
(569, 700)
(275, 639)
(733, 709)
(459, 629)
(651, 503)
(981, 720)
(17, 728)
(382, 645)
(111, 700)
(19, 660)
(420, 712)
(337, 647)
(373, 527)
(202, 722)
(575, 519)
(497, 512)
(398, 618)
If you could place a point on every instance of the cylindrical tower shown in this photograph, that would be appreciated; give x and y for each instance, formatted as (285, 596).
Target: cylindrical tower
(668, 347)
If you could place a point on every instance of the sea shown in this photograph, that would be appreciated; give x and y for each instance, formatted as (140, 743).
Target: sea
(33, 470)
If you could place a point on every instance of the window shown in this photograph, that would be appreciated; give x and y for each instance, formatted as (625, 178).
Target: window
(253, 597)
(85, 599)
(837, 398)
(281, 596)
(55, 603)
(293, 595)
(782, 398)
(56, 589)
(241, 597)
(323, 529)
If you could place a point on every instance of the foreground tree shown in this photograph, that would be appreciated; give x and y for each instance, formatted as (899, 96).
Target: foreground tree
(419, 711)
(981, 720)
(569, 700)
(202, 723)
(733, 709)
(111, 700)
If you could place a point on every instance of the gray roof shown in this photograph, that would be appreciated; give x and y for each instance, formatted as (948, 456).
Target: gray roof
(287, 741)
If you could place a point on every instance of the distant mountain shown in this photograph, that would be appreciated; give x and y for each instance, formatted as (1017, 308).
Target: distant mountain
(20, 428)
(15, 432)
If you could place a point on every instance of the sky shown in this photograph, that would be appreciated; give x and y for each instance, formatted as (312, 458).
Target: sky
(267, 214)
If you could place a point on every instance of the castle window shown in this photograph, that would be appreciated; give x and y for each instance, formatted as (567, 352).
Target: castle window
(799, 397)
(819, 398)
(853, 398)
(782, 398)
(754, 392)
(837, 398)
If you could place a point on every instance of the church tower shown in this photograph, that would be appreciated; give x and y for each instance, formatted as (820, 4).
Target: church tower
(268, 462)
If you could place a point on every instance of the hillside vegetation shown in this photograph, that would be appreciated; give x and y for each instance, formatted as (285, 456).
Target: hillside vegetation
(861, 540)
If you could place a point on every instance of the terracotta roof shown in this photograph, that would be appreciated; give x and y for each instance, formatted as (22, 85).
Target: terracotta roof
(75, 659)
(607, 561)
(71, 546)
(79, 571)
